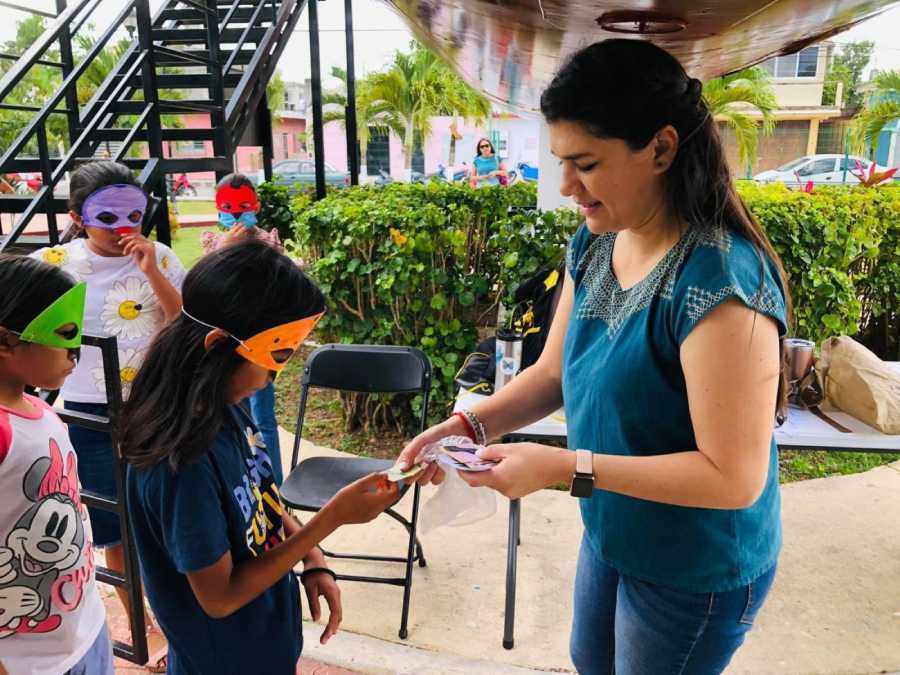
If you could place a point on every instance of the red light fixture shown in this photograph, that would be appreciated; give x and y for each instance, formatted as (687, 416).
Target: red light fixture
(640, 23)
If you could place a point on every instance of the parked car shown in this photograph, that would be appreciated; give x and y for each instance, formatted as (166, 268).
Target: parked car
(292, 172)
(820, 169)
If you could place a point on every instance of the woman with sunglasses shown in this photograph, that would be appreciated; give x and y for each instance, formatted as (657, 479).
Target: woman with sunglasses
(487, 168)
(216, 545)
(665, 351)
(133, 290)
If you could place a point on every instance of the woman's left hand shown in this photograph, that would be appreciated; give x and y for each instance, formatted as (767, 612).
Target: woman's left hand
(141, 250)
(524, 468)
(321, 584)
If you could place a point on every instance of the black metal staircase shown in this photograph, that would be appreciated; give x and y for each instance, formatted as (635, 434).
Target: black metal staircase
(218, 54)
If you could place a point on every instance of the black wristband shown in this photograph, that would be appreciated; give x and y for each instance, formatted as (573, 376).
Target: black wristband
(314, 570)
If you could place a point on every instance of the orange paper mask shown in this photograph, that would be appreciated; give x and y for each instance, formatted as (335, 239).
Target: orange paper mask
(264, 348)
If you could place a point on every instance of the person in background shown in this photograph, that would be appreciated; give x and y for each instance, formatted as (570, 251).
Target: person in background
(487, 169)
(237, 205)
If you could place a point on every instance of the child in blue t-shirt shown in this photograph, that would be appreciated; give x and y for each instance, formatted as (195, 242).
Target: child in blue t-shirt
(216, 546)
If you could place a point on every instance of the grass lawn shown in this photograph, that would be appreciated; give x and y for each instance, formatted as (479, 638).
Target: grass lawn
(196, 208)
(186, 244)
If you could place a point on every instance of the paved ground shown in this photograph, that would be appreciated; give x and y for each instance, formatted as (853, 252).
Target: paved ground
(834, 609)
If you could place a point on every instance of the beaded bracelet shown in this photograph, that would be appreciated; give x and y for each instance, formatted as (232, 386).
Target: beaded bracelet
(477, 427)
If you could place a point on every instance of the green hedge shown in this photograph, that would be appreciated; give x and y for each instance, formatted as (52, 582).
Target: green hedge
(841, 251)
(425, 265)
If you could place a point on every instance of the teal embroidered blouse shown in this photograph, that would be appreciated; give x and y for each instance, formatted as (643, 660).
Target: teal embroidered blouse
(625, 394)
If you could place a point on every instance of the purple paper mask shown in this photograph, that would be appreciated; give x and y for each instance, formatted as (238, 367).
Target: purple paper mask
(115, 207)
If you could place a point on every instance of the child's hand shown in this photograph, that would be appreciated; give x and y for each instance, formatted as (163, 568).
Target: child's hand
(322, 584)
(237, 234)
(364, 499)
(141, 250)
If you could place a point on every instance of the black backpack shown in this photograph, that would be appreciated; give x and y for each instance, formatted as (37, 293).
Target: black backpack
(536, 300)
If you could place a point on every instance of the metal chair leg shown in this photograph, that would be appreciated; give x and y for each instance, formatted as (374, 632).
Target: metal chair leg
(509, 618)
(407, 588)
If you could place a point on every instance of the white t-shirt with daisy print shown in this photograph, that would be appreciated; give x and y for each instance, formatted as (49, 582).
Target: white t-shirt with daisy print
(120, 302)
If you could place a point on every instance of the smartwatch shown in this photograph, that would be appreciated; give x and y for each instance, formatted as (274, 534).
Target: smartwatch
(583, 480)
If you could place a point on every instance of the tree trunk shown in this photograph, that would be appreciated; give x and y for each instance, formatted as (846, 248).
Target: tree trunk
(408, 143)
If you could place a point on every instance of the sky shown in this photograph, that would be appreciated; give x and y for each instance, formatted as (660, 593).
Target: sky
(379, 32)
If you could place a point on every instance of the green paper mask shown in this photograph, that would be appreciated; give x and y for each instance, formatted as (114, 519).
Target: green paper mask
(66, 309)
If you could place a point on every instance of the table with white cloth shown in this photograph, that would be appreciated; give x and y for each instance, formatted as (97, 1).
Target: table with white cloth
(801, 430)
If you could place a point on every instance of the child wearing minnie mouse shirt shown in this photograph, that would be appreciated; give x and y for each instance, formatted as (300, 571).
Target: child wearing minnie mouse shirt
(133, 290)
(52, 620)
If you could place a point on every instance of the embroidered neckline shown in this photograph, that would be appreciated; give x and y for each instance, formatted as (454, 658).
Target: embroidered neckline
(605, 299)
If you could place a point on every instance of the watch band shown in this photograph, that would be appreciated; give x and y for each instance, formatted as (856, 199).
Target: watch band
(584, 462)
(583, 480)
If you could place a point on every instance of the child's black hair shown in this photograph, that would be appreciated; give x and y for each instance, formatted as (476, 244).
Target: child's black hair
(90, 177)
(235, 180)
(27, 288)
(177, 403)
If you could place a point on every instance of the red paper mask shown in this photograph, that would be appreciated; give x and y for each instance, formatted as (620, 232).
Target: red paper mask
(236, 200)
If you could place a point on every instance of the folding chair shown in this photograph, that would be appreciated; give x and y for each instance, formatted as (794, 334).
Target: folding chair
(366, 369)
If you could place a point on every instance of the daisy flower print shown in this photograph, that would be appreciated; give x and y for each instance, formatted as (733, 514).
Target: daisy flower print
(129, 311)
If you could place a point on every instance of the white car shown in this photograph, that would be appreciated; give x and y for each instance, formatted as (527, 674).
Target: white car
(820, 169)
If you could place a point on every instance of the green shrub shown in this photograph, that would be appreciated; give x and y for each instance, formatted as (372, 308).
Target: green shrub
(840, 249)
(424, 265)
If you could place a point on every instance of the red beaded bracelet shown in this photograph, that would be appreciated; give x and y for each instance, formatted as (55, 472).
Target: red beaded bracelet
(470, 430)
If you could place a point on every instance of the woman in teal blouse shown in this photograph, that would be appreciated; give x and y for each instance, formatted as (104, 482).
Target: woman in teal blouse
(665, 351)
(486, 167)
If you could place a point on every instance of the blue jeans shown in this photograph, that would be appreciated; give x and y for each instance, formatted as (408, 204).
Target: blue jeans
(630, 627)
(98, 660)
(262, 407)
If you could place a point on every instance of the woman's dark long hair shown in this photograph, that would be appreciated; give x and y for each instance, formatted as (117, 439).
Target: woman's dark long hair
(629, 90)
(177, 404)
(27, 288)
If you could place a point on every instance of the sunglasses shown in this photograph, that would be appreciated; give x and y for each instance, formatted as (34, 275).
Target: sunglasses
(482, 147)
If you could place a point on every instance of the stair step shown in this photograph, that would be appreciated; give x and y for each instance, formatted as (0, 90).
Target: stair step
(185, 80)
(165, 106)
(195, 16)
(244, 57)
(18, 203)
(197, 36)
(112, 134)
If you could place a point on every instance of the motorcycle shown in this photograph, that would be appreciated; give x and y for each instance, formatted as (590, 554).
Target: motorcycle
(183, 186)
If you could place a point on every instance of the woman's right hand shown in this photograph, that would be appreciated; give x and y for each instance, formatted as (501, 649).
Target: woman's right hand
(363, 500)
(410, 454)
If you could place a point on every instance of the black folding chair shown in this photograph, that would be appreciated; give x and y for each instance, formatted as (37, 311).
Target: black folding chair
(367, 369)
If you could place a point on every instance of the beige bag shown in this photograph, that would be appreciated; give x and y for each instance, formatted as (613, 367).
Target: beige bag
(859, 383)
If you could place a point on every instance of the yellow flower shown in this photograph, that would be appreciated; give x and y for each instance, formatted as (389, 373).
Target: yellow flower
(398, 237)
(128, 374)
(129, 310)
(55, 255)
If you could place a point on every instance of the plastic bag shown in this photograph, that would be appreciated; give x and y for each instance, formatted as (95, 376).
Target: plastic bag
(457, 503)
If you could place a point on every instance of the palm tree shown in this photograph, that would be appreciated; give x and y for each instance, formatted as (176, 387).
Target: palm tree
(463, 101)
(733, 98)
(417, 87)
(370, 113)
(880, 109)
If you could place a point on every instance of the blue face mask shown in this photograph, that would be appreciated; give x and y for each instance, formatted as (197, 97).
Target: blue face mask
(228, 220)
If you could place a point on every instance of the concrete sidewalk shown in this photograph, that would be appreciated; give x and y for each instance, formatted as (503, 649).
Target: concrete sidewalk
(835, 606)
